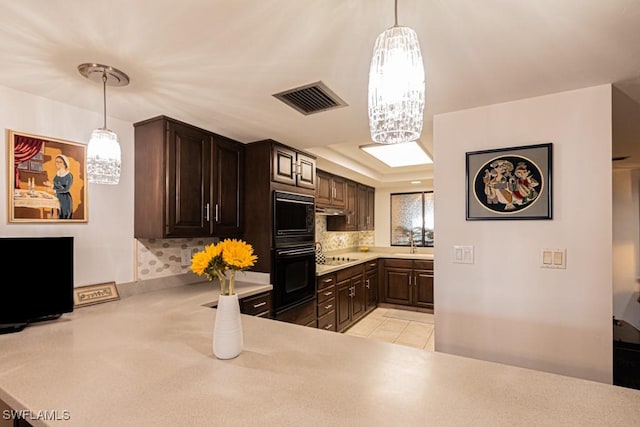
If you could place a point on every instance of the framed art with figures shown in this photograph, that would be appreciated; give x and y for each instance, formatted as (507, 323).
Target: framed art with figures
(509, 183)
(47, 179)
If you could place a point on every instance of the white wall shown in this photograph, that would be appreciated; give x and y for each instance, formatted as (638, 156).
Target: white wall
(104, 247)
(504, 307)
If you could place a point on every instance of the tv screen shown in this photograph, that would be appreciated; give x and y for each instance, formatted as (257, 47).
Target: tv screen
(41, 287)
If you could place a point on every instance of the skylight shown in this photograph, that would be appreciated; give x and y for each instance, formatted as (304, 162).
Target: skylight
(398, 155)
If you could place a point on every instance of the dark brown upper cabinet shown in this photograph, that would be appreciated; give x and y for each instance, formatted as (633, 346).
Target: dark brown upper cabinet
(293, 167)
(331, 190)
(188, 181)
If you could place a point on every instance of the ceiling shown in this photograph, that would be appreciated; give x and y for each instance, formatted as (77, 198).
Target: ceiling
(216, 64)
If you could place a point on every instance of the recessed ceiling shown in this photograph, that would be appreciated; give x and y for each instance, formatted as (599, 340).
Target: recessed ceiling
(216, 63)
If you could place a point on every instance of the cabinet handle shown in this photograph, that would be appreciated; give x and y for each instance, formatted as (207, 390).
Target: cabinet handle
(299, 169)
(327, 307)
(327, 280)
(259, 304)
(329, 326)
(216, 212)
(367, 283)
(409, 280)
(373, 264)
(353, 291)
(326, 294)
(206, 212)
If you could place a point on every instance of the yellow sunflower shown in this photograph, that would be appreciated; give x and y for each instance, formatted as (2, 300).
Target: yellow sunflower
(204, 262)
(237, 255)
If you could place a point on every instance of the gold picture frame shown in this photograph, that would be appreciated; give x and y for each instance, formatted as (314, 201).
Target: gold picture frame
(47, 179)
(95, 294)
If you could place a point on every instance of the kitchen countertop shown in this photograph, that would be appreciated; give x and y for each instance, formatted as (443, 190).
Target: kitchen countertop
(147, 360)
(360, 257)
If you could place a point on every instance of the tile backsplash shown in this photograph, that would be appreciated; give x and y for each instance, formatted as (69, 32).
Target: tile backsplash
(334, 240)
(162, 257)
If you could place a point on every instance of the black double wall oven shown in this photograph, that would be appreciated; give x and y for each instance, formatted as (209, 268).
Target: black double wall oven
(294, 268)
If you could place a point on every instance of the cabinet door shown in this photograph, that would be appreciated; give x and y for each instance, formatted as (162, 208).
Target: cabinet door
(343, 304)
(227, 192)
(397, 288)
(370, 207)
(358, 300)
(362, 207)
(306, 174)
(324, 188)
(284, 162)
(423, 289)
(371, 288)
(351, 204)
(339, 196)
(188, 203)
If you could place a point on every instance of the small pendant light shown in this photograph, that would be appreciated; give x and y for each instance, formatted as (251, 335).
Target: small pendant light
(103, 151)
(396, 86)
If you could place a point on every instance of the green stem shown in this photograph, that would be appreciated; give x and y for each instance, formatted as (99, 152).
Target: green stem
(232, 282)
(221, 278)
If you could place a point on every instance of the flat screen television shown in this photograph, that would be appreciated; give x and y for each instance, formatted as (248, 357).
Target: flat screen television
(41, 284)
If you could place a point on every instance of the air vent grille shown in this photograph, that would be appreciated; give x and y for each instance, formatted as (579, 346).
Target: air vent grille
(311, 98)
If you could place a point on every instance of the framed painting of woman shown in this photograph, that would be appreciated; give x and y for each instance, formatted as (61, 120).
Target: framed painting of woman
(47, 179)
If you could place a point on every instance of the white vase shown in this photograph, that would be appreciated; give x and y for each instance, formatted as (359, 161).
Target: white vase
(227, 330)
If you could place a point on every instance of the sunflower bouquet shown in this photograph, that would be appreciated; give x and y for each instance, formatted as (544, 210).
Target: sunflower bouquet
(218, 258)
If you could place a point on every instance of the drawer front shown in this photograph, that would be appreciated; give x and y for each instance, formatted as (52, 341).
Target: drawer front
(326, 306)
(326, 293)
(256, 304)
(371, 265)
(399, 263)
(423, 264)
(328, 321)
(326, 281)
(348, 273)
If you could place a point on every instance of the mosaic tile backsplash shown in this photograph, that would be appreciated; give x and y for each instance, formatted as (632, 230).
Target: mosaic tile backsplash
(334, 240)
(163, 257)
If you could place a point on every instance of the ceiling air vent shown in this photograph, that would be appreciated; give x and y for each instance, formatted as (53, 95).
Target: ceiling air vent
(311, 98)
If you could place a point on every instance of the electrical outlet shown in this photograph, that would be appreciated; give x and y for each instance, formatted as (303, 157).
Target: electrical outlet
(185, 256)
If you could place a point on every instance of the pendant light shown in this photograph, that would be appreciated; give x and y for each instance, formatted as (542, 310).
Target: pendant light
(103, 151)
(396, 86)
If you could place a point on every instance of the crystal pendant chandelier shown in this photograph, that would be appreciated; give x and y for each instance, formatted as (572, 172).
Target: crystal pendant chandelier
(103, 151)
(396, 86)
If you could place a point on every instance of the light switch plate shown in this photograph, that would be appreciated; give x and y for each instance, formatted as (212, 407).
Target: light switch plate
(553, 258)
(463, 254)
(185, 257)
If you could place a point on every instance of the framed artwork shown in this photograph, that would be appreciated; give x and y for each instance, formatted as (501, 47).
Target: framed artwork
(47, 179)
(509, 183)
(95, 294)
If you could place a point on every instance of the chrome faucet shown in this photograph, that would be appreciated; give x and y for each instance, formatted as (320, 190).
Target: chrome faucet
(412, 244)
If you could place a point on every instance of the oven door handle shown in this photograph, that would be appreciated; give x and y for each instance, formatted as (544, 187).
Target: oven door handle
(300, 202)
(295, 252)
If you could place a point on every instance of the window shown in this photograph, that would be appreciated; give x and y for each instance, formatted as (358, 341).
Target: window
(412, 216)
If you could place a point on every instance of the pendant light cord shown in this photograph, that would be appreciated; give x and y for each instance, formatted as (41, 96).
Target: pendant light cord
(104, 97)
(396, 14)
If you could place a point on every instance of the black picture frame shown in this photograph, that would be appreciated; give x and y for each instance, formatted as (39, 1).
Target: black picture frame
(511, 183)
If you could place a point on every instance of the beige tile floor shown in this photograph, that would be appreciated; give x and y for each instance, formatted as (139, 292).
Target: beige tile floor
(410, 328)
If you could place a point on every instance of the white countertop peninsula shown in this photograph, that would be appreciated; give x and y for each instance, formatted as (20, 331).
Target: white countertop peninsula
(147, 360)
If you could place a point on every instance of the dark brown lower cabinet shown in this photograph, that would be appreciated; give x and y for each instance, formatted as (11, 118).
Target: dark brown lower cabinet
(303, 314)
(257, 305)
(350, 296)
(326, 302)
(371, 285)
(408, 282)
